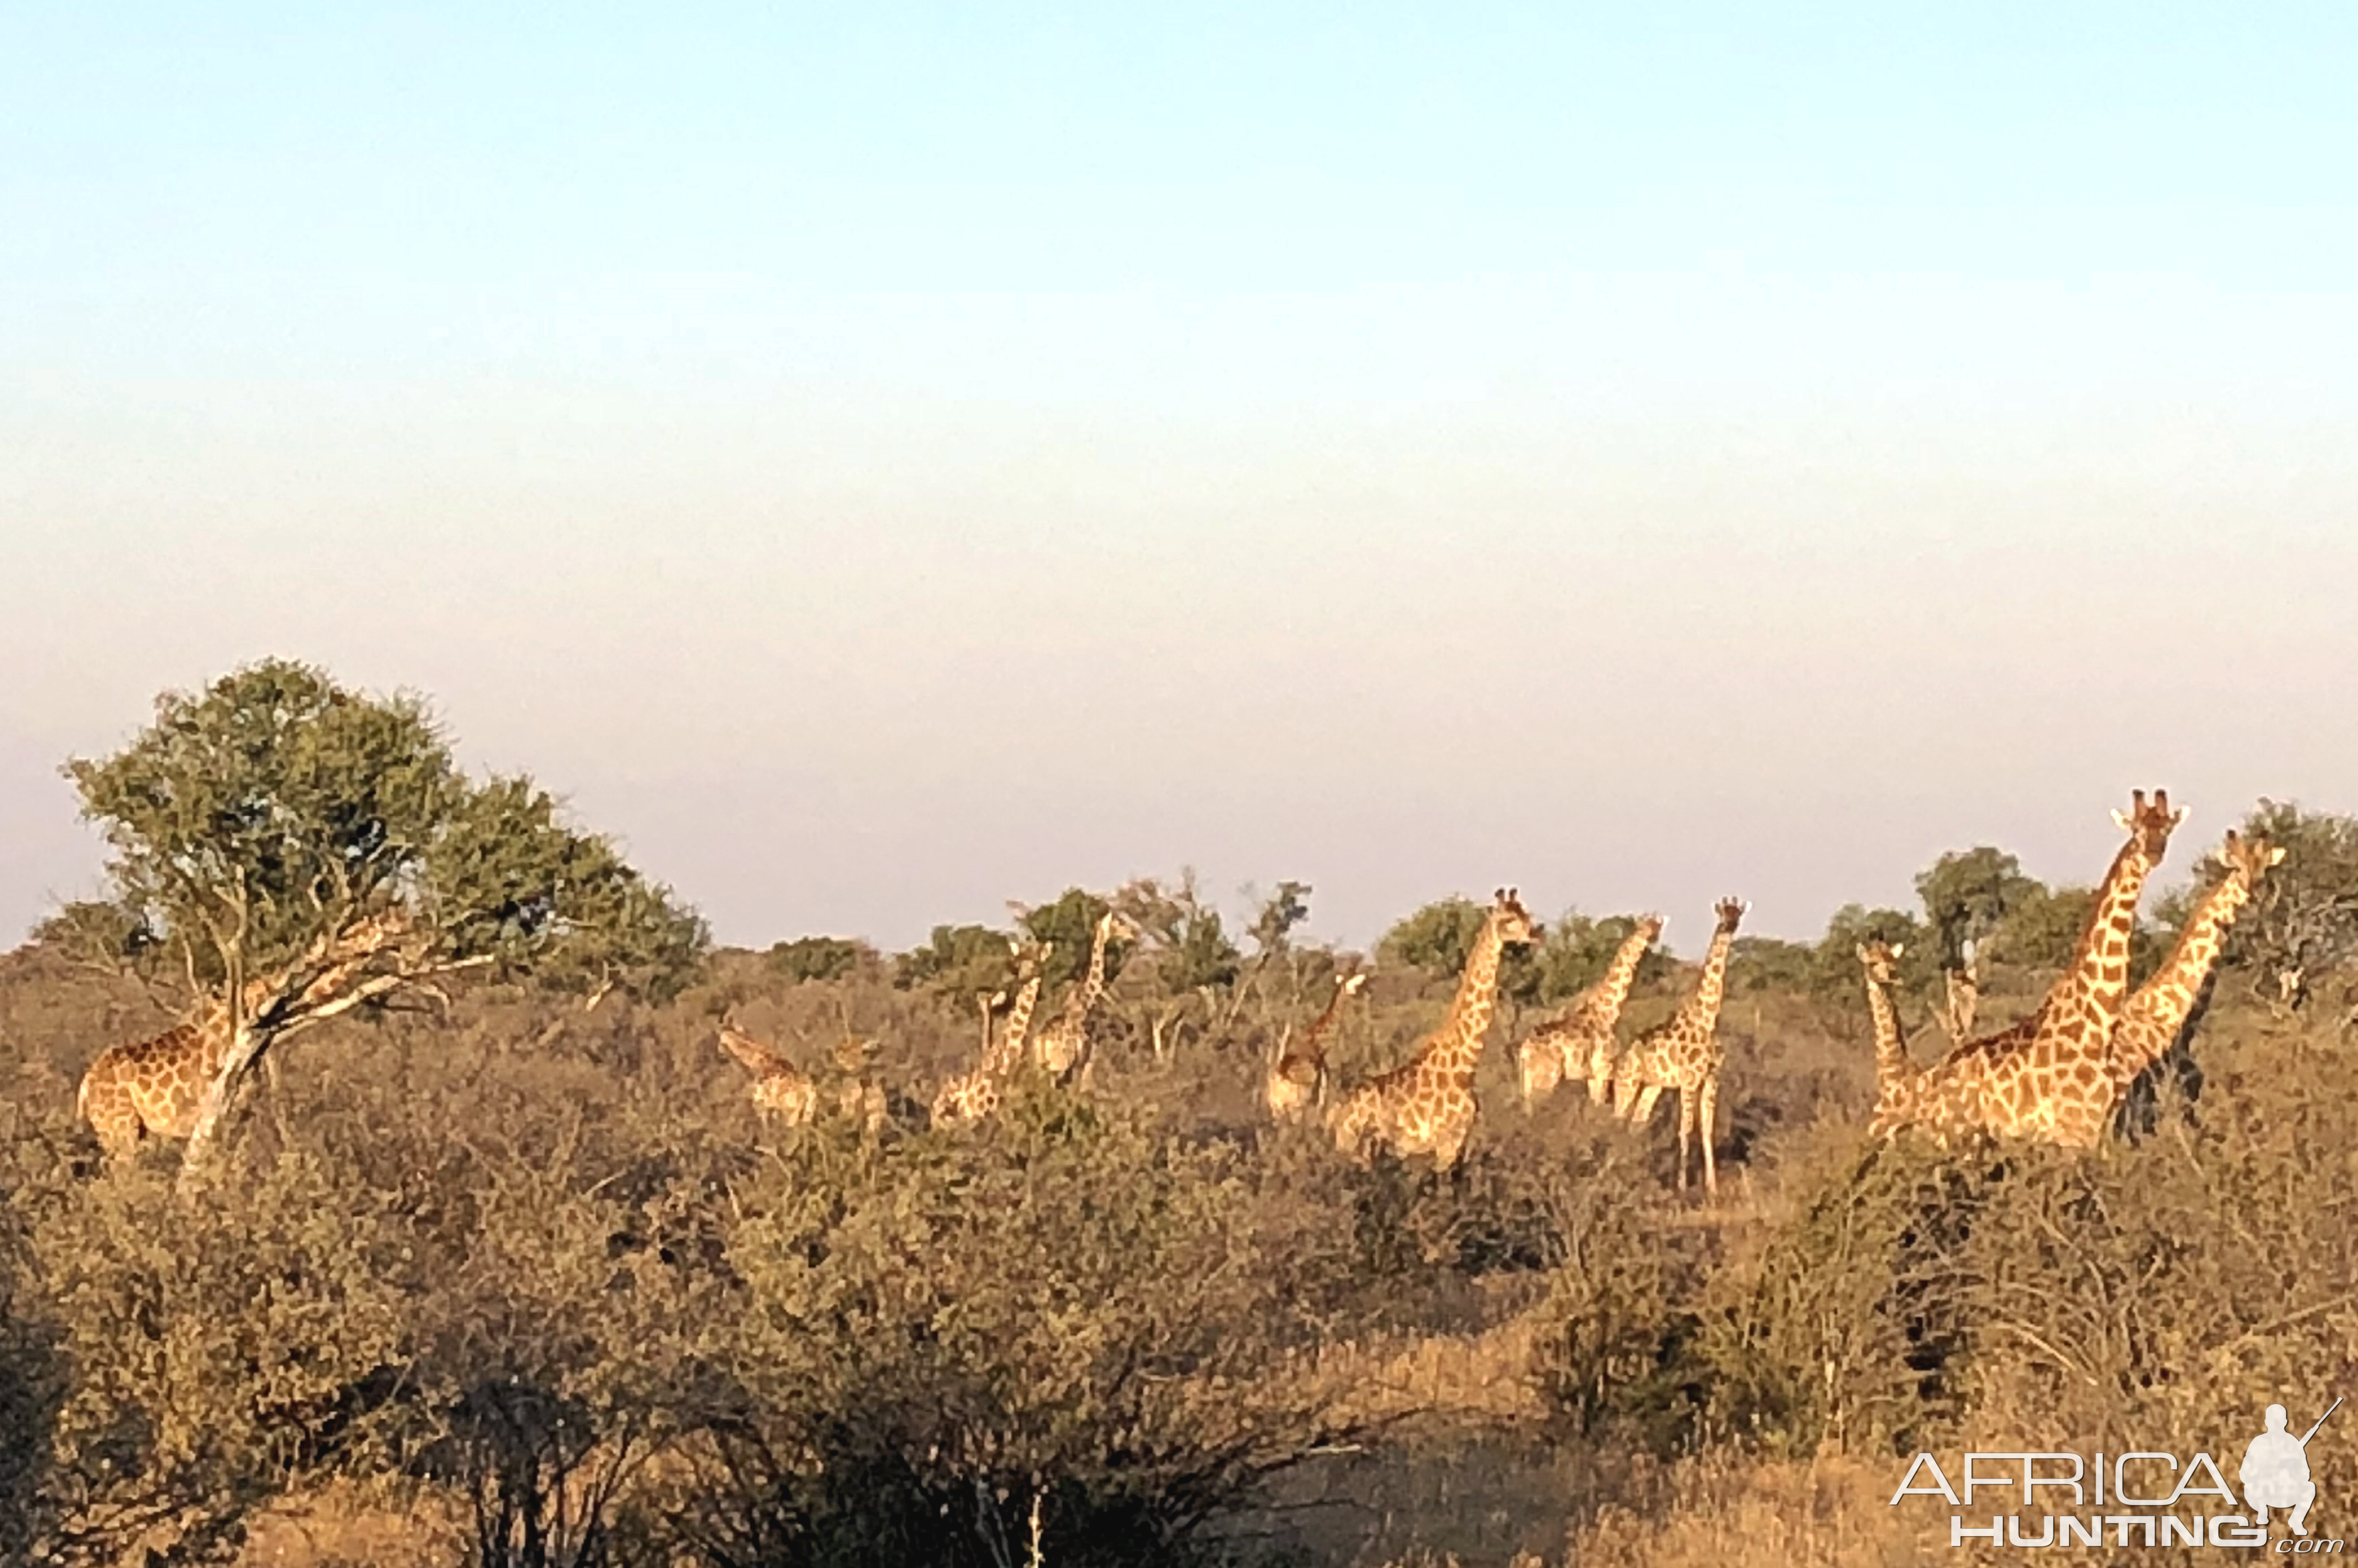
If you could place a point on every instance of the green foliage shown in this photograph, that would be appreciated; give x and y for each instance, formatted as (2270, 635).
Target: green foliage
(2302, 923)
(1437, 939)
(2042, 930)
(808, 959)
(1758, 963)
(1833, 964)
(1071, 923)
(248, 820)
(957, 961)
(1574, 954)
(1967, 894)
(1195, 953)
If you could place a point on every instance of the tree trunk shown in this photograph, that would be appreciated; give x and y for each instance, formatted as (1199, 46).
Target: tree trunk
(221, 1093)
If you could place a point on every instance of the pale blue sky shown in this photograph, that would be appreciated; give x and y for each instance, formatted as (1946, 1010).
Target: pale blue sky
(882, 461)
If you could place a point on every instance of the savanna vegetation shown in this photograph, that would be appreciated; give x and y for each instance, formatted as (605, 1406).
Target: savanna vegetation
(481, 1254)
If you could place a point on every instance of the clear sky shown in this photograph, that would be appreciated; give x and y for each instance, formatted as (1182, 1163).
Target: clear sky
(885, 459)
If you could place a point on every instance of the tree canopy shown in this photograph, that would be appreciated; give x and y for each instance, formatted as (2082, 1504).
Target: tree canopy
(294, 850)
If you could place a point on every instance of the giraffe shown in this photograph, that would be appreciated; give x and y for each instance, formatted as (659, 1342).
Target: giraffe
(1683, 1053)
(972, 1095)
(1065, 1045)
(155, 1087)
(2154, 1020)
(1895, 1076)
(780, 1089)
(1427, 1106)
(1580, 1044)
(2048, 1077)
(1301, 1071)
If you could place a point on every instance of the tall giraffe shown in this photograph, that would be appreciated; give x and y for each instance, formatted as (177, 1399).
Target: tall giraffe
(1065, 1043)
(1301, 1070)
(2154, 1020)
(1683, 1053)
(2048, 1077)
(780, 1089)
(1895, 1076)
(972, 1095)
(1427, 1106)
(1579, 1045)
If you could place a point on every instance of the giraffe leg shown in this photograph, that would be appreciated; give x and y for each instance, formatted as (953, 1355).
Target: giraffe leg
(1642, 1110)
(1706, 1109)
(1686, 1132)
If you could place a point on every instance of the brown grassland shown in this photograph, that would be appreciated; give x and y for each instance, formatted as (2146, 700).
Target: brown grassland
(520, 1282)
(500, 1265)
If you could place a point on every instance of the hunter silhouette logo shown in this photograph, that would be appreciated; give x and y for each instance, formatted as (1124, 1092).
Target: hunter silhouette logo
(2136, 1497)
(2275, 1471)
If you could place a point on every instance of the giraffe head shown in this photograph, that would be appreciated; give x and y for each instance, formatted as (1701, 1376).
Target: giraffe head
(1650, 927)
(1878, 957)
(2251, 858)
(1349, 984)
(1730, 912)
(1514, 922)
(2148, 826)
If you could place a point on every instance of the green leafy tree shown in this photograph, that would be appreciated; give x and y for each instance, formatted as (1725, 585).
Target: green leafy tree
(957, 961)
(1575, 953)
(2302, 923)
(1437, 938)
(1833, 966)
(1757, 964)
(808, 959)
(1071, 923)
(299, 850)
(2041, 931)
(1967, 895)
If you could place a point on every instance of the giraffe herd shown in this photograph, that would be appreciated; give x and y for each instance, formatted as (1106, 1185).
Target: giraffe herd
(2058, 1074)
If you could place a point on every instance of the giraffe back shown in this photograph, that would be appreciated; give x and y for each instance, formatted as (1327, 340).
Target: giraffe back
(152, 1086)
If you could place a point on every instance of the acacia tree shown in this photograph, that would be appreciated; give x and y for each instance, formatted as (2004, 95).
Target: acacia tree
(298, 850)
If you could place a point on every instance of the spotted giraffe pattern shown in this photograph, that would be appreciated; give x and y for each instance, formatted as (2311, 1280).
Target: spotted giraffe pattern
(1065, 1043)
(1683, 1053)
(1895, 1076)
(974, 1095)
(1426, 1107)
(780, 1089)
(1579, 1045)
(2153, 1022)
(2048, 1078)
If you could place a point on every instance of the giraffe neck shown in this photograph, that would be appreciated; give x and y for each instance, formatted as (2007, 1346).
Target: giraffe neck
(1092, 985)
(1605, 1000)
(1314, 1043)
(1009, 1049)
(1463, 1033)
(2092, 989)
(1701, 1012)
(2163, 1003)
(1890, 1054)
